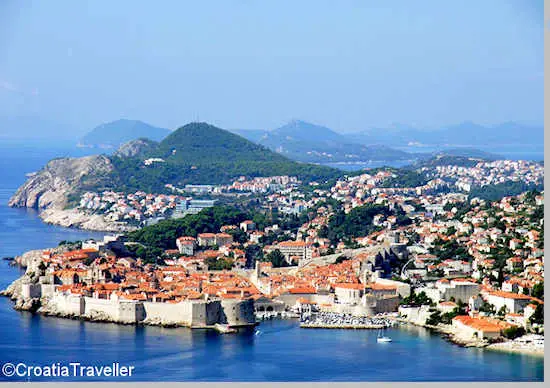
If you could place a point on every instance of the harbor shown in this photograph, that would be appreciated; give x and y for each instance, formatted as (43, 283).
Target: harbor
(328, 320)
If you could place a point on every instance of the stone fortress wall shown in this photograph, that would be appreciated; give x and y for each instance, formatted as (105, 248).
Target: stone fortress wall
(191, 313)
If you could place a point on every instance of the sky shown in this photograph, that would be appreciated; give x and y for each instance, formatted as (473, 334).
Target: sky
(348, 65)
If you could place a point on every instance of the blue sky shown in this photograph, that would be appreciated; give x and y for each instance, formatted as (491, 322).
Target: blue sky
(348, 65)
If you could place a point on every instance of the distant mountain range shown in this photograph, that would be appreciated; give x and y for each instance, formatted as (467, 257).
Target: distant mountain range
(466, 134)
(112, 135)
(303, 141)
(312, 143)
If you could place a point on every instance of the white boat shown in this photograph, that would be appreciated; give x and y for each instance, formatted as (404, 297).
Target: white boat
(382, 338)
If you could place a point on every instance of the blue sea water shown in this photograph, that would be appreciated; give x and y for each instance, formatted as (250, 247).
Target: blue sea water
(280, 352)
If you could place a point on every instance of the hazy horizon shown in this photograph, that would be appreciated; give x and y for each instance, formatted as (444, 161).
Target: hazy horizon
(348, 66)
(77, 133)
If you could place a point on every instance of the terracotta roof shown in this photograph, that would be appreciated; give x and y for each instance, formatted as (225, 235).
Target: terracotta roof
(509, 295)
(302, 290)
(350, 286)
(380, 287)
(482, 324)
(292, 244)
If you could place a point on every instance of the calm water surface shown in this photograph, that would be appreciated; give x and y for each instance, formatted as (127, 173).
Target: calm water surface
(280, 352)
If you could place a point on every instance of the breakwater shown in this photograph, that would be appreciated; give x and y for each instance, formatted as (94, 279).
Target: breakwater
(325, 320)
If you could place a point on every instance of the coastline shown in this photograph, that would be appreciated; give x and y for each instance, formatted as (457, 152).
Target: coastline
(30, 292)
(81, 220)
(74, 218)
(508, 347)
(449, 335)
(32, 259)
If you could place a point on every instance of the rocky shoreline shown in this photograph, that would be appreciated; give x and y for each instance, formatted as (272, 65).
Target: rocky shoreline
(511, 347)
(505, 346)
(74, 218)
(48, 191)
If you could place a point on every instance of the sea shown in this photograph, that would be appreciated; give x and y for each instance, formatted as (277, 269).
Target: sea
(276, 350)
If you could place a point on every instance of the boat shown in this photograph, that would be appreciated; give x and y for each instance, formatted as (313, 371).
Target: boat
(382, 338)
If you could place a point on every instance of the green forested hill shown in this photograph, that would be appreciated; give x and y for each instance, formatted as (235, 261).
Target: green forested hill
(201, 153)
(201, 142)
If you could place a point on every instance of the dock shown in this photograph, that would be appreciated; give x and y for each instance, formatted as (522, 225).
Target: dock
(340, 326)
(325, 320)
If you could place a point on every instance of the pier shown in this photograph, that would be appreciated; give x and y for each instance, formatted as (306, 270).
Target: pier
(343, 321)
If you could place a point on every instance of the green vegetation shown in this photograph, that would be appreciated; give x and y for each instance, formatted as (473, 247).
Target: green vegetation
(450, 249)
(437, 317)
(238, 235)
(163, 234)
(341, 259)
(487, 308)
(447, 160)
(502, 311)
(148, 254)
(420, 299)
(253, 253)
(538, 315)
(505, 189)
(513, 332)
(276, 258)
(538, 290)
(218, 264)
(70, 245)
(202, 153)
(461, 207)
(358, 222)
(405, 178)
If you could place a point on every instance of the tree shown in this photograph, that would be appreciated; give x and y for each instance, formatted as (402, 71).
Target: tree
(487, 308)
(538, 315)
(323, 232)
(253, 253)
(513, 332)
(358, 222)
(417, 299)
(450, 231)
(500, 278)
(164, 234)
(238, 235)
(502, 312)
(434, 319)
(217, 264)
(538, 290)
(276, 258)
(341, 259)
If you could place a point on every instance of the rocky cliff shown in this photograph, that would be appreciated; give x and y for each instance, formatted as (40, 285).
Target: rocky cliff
(135, 147)
(51, 187)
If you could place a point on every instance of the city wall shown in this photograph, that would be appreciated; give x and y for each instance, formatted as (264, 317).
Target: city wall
(192, 313)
